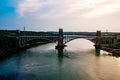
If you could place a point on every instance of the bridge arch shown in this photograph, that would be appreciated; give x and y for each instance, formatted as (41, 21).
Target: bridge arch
(23, 40)
(65, 41)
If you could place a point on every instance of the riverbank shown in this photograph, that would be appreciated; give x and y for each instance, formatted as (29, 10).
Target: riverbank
(115, 52)
(12, 51)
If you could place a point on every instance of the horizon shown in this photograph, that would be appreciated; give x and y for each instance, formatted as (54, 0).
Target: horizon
(57, 31)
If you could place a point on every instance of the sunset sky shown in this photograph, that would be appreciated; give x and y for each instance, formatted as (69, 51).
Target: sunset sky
(71, 15)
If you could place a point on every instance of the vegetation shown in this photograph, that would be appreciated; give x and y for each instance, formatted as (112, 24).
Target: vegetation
(109, 43)
(107, 40)
(114, 46)
(6, 42)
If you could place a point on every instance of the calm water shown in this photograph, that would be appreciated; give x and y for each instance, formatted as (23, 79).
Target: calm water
(78, 63)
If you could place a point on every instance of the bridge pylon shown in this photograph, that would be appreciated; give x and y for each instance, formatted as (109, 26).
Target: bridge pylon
(18, 37)
(98, 42)
(60, 44)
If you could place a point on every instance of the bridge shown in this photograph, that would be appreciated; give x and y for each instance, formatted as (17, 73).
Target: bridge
(62, 39)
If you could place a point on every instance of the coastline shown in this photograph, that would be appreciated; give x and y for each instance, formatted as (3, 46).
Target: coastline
(9, 52)
(115, 52)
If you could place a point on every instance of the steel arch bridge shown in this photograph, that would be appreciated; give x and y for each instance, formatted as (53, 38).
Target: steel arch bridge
(61, 39)
(67, 38)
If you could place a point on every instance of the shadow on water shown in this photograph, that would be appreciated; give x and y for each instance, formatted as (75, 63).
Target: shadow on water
(17, 76)
(61, 56)
(10, 76)
(97, 51)
(60, 53)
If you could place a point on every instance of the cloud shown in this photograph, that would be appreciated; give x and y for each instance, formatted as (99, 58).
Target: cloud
(104, 8)
(45, 8)
(56, 9)
(29, 6)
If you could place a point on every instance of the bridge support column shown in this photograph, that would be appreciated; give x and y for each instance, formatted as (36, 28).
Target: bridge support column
(60, 44)
(18, 37)
(98, 42)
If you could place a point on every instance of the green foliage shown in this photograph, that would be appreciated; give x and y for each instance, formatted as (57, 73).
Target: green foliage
(107, 40)
(6, 42)
(114, 46)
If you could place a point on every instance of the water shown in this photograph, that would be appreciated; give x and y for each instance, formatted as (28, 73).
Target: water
(78, 63)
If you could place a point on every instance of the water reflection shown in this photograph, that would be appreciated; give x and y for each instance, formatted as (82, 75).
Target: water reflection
(60, 53)
(97, 51)
(75, 62)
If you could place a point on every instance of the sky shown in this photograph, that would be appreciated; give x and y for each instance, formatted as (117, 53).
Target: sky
(50, 15)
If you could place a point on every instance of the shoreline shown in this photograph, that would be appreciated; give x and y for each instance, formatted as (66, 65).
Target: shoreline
(115, 52)
(9, 52)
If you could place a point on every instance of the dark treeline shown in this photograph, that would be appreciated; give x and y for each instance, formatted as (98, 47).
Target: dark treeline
(13, 32)
(109, 43)
(107, 40)
(89, 33)
(27, 33)
(113, 46)
(8, 42)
